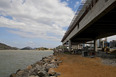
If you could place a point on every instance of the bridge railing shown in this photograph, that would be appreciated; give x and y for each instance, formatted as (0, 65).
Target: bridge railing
(79, 15)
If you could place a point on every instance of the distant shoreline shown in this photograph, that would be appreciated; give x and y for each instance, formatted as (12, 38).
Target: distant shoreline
(25, 50)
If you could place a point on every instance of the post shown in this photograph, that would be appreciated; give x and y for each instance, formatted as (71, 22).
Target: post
(100, 43)
(69, 43)
(103, 44)
(95, 45)
(78, 46)
(63, 49)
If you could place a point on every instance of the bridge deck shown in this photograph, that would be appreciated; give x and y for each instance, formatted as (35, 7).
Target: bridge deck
(99, 22)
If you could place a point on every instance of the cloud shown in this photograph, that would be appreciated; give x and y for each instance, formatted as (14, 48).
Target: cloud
(36, 18)
(76, 4)
(67, 0)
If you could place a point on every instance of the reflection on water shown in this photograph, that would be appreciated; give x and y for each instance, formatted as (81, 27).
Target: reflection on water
(12, 60)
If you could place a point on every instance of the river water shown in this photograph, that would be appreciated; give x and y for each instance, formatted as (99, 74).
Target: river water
(12, 60)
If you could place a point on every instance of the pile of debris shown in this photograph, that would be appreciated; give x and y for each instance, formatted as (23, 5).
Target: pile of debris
(42, 68)
(109, 61)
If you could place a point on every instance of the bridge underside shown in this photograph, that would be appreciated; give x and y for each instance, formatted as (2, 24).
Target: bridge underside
(102, 27)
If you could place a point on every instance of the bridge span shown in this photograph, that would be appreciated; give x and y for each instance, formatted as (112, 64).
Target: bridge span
(95, 20)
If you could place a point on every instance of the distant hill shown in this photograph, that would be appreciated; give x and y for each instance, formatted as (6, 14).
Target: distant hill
(27, 48)
(6, 47)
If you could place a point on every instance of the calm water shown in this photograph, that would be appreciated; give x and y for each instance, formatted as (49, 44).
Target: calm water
(12, 60)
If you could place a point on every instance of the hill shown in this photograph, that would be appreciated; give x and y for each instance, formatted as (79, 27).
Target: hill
(6, 47)
(26, 48)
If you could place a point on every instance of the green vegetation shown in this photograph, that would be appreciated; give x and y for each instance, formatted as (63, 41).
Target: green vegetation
(43, 48)
(61, 47)
(6, 47)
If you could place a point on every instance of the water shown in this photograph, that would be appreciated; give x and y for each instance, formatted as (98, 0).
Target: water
(12, 60)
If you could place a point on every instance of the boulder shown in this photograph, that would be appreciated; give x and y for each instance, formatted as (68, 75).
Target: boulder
(29, 67)
(51, 66)
(42, 68)
(33, 76)
(51, 72)
(40, 63)
(25, 74)
(13, 75)
(39, 67)
(20, 72)
(46, 60)
(41, 74)
(33, 72)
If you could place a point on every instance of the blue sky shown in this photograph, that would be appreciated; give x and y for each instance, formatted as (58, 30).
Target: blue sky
(35, 23)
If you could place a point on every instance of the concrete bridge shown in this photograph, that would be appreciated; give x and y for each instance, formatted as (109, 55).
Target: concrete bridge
(95, 20)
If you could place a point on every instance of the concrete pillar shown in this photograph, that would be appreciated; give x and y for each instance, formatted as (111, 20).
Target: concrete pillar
(95, 45)
(69, 44)
(103, 44)
(63, 47)
(100, 43)
(78, 46)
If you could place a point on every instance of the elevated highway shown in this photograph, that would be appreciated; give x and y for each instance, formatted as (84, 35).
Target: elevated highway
(95, 20)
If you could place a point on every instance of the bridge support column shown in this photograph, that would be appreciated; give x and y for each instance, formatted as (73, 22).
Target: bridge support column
(103, 44)
(70, 45)
(63, 47)
(95, 45)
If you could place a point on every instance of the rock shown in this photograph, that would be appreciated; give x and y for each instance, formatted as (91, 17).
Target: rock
(25, 74)
(29, 67)
(38, 67)
(54, 58)
(40, 63)
(33, 71)
(33, 76)
(50, 58)
(18, 70)
(57, 74)
(51, 72)
(50, 66)
(42, 68)
(41, 74)
(46, 60)
(13, 75)
(20, 73)
(34, 65)
(55, 63)
(52, 61)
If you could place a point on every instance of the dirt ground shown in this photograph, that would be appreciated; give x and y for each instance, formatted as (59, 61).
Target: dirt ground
(78, 66)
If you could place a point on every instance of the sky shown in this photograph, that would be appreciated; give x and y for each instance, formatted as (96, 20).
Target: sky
(36, 23)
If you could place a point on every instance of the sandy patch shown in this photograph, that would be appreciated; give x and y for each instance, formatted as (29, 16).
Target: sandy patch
(77, 66)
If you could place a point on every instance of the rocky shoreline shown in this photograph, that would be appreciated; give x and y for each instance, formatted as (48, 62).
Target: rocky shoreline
(42, 68)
